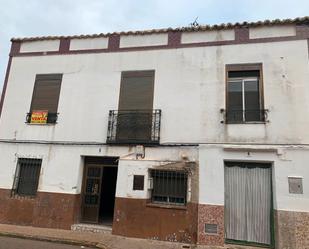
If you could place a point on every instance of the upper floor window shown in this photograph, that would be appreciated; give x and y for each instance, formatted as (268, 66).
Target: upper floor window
(244, 94)
(135, 121)
(27, 176)
(44, 104)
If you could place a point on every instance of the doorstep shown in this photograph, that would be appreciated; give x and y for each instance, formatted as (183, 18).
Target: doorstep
(91, 228)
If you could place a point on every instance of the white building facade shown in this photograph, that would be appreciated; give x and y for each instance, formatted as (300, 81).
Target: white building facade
(196, 135)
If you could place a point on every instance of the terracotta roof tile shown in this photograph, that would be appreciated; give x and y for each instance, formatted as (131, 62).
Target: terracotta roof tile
(298, 20)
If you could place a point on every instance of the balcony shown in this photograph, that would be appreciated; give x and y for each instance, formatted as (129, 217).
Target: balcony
(244, 116)
(134, 127)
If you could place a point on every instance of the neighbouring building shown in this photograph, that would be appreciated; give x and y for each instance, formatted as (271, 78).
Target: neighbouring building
(195, 134)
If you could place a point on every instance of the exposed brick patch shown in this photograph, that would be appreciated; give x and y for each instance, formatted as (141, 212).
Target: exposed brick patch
(302, 31)
(212, 214)
(52, 210)
(134, 218)
(308, 47)
(64, 46)
(291, 229)
(113, 42)
(241, 34)
(174, 39)
(15, 48)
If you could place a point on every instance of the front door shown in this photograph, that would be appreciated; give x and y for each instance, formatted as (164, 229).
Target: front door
(248, 203)
(91, 193)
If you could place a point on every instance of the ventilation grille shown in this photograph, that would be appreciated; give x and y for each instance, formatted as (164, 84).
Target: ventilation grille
(211, 228)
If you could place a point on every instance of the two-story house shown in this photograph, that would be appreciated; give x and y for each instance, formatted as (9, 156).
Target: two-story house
(195, 134)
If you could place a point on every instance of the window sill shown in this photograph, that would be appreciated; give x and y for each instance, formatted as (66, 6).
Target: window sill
(47, 124)
(167, 206)
(242, 123)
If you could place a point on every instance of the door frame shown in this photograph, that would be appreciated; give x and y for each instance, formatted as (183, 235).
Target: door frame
(272, 222)
(84, 178)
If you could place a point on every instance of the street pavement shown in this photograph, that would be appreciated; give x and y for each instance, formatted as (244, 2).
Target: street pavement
(16, 243)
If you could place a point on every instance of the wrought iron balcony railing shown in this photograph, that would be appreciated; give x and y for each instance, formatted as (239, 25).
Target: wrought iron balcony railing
(244, 116)
(51, 118)
(134, 126)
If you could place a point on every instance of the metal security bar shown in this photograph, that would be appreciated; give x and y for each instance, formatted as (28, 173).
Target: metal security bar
(134, 127)
(51, 118)
(244, 116)
(26, 177)
(169, 187)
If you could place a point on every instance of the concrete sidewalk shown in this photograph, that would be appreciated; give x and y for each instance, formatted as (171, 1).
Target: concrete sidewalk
(96, 240)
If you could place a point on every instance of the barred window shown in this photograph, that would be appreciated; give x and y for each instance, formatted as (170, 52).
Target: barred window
(169, 187)
(27, 176)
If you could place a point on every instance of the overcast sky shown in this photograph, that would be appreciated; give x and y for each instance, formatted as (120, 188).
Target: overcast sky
(22, 18)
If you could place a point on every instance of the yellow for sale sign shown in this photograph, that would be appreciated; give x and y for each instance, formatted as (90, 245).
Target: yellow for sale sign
(39, 117)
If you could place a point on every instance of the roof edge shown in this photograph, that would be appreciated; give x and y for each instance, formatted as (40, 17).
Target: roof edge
(299, 21)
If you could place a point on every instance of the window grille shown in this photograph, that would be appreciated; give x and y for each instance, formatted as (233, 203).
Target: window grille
(27, 177)
(169, 187)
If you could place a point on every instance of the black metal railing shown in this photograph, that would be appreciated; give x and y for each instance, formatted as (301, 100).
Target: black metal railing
(51, 118)
(134, 126)
(244, 116)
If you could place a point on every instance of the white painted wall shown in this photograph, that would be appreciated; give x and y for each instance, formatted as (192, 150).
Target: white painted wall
(292, 162)
(40, 46)
(189, 88)
(62, 168)
(208, 36)
(143, 40)
(272, 31)
(89, 43)
(62, 165)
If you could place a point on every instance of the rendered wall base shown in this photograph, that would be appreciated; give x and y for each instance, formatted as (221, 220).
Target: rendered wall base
(52, 210)
(292, 229)
(134, 218)
(210, 214)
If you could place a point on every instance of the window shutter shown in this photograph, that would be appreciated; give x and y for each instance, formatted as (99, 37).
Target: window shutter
(46, 92)
(136, 90)
(136, 94)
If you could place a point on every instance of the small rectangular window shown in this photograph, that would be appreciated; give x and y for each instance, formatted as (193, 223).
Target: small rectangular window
(27, 177)
(45, 96)
(169, 187)
(138, 182)
(244, 97)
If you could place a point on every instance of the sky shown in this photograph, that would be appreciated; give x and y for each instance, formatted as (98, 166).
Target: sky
(24, 18)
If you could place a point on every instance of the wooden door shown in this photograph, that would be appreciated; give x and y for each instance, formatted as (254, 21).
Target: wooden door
(91, 193)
